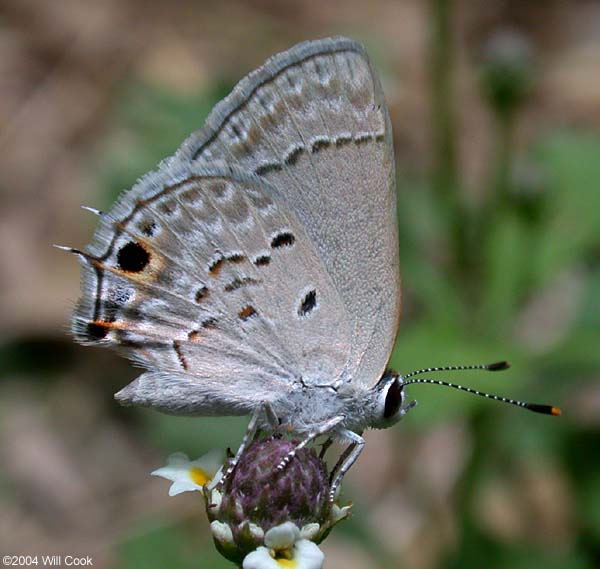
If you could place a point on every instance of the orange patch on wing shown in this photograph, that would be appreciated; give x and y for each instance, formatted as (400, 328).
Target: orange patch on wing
(216, 266)
(247, 312)
(195, 336)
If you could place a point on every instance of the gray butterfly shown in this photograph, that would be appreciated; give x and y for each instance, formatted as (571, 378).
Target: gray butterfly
(255, 272)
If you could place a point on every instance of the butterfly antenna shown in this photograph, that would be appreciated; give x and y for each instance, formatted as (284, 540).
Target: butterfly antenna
(535, 407)
(496, 366)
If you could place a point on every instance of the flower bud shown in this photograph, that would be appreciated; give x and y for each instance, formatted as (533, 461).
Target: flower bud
(506, 71)
(257, 497)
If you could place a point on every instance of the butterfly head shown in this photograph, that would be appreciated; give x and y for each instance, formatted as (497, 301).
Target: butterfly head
(388, 395)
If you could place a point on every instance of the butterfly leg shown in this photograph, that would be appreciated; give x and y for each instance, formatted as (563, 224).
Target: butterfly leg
(251, 432)
(345, 461)
(322, 429)
(325, 447)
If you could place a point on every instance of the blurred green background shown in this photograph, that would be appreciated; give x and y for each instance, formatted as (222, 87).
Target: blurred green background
(496, 114)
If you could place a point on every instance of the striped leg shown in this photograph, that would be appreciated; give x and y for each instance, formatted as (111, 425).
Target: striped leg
(251, 433)
(345, 461)
(323, 429)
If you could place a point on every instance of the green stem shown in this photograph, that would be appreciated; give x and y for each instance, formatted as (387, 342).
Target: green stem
(445, 178)
(504, 162)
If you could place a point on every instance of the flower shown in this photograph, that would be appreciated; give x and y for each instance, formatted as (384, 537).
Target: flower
(258, 492)
(257, 498)
(285, 548)
(262, 517)
(187, 475)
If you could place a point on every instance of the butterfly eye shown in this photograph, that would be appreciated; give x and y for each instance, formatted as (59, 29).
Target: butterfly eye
(393, 400)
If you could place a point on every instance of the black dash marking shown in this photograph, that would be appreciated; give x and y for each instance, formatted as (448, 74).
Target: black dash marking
(284, 239)
(308, 303)
(247, 312)
(180, 356)
(235, 258)
(132, 257)
(148, 227)
(363, 137)
(201, 294)
(343, 139)
(167, 208)
(269, 167)
(320, 144)
(216, 265)
(209, 323)
(293, 156)
(239, 282)
(380, 136)
(96, 331)
(262, 261)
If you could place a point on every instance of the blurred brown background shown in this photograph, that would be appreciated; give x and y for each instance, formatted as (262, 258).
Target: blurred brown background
(496, 114)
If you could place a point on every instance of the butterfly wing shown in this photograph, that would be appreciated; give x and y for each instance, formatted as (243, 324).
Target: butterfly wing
(227, 302)
(213, 285)
(313, 122)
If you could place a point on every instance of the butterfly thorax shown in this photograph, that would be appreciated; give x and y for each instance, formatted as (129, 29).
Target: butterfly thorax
(305, 409)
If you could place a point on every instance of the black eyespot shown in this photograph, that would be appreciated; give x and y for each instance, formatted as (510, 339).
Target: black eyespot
(132, 257)
(96, 332)
(308, 303)
(393, 400)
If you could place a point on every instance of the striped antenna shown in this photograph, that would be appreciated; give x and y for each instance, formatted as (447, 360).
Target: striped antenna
(496, 366)
(535, 407)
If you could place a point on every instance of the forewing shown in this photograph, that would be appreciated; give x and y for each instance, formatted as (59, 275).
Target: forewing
(314, 123)
(210, 278)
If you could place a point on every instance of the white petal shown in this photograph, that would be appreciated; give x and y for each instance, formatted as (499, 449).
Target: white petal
(179, 470)
(184, 485)
(221, 532)
(210, 462)
(282, 536)
(256, 532)
(214, 500)
(338, 513)
(178, 458)
(260, 559)
(308, 555)
(168, 472)
(309, 531)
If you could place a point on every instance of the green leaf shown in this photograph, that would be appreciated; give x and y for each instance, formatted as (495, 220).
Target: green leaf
(573, 166)
(173, 547)
(505, 264)
(193, 435)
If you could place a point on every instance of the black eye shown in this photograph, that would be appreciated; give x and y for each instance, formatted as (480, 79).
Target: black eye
(393, 400)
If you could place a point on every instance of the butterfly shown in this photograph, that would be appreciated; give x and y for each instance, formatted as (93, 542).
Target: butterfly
(256, 271)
